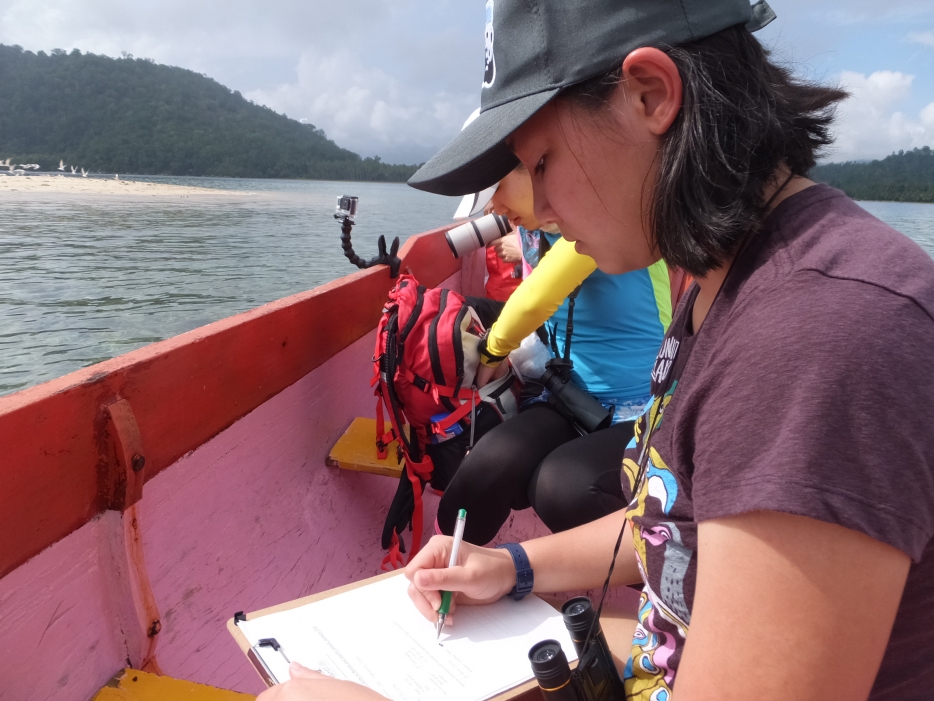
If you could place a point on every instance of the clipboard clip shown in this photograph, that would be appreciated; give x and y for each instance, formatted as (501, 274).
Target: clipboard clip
(255, 655)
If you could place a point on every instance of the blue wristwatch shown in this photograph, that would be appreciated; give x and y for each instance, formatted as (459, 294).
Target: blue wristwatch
(525, 578)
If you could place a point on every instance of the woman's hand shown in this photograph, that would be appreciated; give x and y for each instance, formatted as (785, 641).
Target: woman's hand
(482, 576)
(486, 374)
(308, 685)
(507, 249)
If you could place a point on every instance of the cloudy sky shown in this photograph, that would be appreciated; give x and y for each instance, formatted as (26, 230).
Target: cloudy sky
(396, 78)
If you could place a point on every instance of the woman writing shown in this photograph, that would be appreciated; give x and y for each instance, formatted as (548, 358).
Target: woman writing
(784, 492)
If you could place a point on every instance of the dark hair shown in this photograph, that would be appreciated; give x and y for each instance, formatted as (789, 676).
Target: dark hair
(742, 116)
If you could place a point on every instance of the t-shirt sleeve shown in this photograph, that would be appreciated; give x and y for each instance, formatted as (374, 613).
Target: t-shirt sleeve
(822, 405)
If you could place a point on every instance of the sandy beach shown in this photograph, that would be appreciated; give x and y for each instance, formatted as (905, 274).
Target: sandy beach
(43, 183)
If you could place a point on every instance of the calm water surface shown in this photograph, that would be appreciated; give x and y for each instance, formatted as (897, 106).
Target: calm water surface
(85, 278)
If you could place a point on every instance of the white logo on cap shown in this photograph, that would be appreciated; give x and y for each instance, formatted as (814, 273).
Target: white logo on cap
(489, 69)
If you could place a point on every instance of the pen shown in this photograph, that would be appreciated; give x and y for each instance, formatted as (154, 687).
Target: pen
(446, 595)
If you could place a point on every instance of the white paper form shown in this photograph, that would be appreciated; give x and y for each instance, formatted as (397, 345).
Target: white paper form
(373, 635)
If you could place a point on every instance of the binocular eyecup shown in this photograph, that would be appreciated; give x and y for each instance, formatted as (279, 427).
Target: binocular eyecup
(552, 671)
(596, 677)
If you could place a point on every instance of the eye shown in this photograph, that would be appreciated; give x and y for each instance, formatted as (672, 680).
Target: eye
(540, 166)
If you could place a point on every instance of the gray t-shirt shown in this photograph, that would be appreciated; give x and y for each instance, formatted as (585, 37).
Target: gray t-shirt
(808, 390)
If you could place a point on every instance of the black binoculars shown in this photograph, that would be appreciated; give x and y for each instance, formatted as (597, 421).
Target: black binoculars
(595, 678)
(573, 403)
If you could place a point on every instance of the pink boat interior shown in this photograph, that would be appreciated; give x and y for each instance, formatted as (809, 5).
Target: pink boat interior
(149, 497)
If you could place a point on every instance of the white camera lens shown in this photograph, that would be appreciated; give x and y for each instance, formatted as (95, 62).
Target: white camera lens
(473, 235)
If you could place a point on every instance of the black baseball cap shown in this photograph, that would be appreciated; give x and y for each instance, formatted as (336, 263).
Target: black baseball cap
(535, 48)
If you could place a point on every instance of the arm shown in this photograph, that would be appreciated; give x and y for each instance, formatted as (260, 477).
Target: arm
(575, 559)
(539, 296)
(788, 606)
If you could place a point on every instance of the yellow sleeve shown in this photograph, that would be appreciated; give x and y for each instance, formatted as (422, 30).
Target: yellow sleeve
(539, 296)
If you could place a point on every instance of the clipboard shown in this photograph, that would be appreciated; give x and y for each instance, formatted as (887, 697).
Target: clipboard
(260, 654)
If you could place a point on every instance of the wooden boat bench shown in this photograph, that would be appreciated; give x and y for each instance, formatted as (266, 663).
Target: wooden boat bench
(356, 450)
(134, 685)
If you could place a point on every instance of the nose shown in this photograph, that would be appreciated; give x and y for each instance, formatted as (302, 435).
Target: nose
(542, 206)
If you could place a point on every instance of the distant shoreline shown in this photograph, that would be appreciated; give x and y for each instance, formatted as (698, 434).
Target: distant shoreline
(70, 184)
(876, 199)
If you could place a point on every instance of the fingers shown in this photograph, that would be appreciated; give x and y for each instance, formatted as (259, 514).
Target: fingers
(426, 603)
(434, 555)
(447, 579)
(484, 374)
(297, 671)
(426, 576)
(472, 579)
(482, 575)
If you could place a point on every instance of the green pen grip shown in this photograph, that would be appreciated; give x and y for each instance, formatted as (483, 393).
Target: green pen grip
(445, 603)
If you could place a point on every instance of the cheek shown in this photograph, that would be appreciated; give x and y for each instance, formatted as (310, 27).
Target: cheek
(570, 196)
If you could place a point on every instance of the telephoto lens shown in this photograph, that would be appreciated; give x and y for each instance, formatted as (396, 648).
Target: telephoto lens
(596, 671)
(473, 235)
(551, 670)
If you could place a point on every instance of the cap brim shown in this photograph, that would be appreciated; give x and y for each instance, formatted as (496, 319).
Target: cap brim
(473, 204)
(479, 156)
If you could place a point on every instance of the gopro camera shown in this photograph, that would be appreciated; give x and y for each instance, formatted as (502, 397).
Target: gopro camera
(346, 208)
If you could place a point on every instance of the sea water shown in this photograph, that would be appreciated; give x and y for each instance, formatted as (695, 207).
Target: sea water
(84, 278)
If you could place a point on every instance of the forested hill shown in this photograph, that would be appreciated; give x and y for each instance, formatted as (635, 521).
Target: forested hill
(906, 176)
(135, 116)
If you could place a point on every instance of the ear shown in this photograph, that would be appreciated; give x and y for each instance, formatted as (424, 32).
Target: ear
(654, 84)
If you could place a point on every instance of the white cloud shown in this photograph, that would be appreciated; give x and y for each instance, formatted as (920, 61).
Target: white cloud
(926, 38)
(394, 79)
(367, 110)
(869, 125)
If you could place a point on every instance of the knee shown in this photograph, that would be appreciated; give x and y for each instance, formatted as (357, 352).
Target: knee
(565, 495)
(554, 493)
(499, 447)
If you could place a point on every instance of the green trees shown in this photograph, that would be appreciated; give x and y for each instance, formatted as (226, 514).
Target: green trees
(134, 116)
(906, 176)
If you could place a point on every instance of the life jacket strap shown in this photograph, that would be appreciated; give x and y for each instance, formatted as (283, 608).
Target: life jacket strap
(383, 437)
(444, 424)
(393, 559)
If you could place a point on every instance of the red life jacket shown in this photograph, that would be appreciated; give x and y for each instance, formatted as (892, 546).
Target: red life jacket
(504, 278)
(424, 366)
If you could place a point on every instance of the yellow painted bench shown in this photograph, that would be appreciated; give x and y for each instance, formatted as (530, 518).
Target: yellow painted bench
(356, 450)
(133, 685)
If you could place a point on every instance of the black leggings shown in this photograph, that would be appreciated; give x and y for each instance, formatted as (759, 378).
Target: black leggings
(537, 459)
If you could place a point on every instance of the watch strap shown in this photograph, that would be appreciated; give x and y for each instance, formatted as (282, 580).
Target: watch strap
(525, 578)
(486, 357)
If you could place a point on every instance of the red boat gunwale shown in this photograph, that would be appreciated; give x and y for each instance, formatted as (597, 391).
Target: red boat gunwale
(59, 467)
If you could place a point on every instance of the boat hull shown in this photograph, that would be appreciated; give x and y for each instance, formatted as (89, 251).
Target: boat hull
(238, 510)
